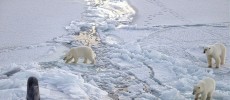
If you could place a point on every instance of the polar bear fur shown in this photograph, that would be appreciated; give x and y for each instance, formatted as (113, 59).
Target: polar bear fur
(205, 87)
(81, 51)
(216, 51)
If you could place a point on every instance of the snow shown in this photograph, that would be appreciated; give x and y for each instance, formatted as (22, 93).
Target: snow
(25, 24)
(30, 22)
(148, 50)
(56, 84)
(180, 12)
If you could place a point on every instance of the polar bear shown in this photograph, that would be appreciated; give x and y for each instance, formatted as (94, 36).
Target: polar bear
(205, 87)
(216, 51)
(81, 51)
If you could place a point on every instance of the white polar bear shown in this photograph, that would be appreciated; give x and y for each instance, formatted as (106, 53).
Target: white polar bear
(82, 51)
(205, 87)
(216, 51)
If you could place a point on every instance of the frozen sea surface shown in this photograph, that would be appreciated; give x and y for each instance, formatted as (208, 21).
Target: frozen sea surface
(149, 50)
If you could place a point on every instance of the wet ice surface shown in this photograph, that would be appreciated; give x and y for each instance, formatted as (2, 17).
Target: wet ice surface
(147, 61)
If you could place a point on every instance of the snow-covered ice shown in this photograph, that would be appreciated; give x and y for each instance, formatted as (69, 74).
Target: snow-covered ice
(148, 50)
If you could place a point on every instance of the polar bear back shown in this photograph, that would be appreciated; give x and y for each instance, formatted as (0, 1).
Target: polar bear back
(208, 84)
(218, 49)
(82, 51)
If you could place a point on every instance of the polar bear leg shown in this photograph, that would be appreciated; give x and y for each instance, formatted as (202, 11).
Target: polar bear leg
(197, 96)
(68, 60)
(204, 96)
(217, 62)
(75, 60)
(222, 57)
(92, 60)
(209, 95)
(209, 61)
(85, 60)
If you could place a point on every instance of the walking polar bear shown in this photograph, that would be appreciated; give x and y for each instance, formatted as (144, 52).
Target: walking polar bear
(205, 88)
(216, 51)
(81, 51)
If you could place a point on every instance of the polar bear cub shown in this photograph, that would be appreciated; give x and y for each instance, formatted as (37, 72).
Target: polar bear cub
(216, 51)
(205, 87)
(81, 51)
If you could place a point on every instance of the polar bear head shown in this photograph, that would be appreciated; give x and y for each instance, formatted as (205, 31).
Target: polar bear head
(208, 50)
(197, 89)
(67, 56)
